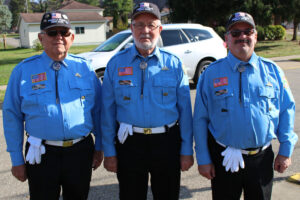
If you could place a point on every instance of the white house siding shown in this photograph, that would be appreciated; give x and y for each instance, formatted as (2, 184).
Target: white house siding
(33, 35)
(93, 33)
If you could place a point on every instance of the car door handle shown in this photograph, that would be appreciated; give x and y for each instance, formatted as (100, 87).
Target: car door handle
(188, 51)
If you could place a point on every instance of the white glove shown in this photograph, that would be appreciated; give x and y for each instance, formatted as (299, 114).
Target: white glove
(123, 132)
(35, 151)
(233, 159)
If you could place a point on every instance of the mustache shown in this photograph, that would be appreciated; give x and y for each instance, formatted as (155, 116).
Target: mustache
(242, 41)
(145, 36)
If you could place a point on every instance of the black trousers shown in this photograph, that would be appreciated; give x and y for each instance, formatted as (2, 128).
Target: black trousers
(69, 168)
(155, 154)
(256, 179)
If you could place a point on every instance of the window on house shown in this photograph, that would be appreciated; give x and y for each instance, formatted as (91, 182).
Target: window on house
(79, 30)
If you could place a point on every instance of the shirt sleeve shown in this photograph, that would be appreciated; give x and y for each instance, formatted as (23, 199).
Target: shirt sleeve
(200, 124)
(185, 113)
(96, 112)
(286, 136)
(13, 118)
(108, 114)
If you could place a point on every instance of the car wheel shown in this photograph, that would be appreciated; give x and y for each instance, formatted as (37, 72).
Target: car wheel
(200, 68)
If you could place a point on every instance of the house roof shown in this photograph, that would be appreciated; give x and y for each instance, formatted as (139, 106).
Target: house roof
(74, 16)
(71, 5)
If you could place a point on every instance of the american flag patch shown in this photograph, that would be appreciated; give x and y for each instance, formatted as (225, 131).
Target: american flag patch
(124, 71)
(220, 81)
(56, 15)
(38, 77)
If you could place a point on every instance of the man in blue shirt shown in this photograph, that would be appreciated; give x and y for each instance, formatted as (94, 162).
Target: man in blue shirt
(57, 97)
(146, 117)
(243, 102)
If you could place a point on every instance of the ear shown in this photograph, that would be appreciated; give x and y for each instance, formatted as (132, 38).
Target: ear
(40, 37)
(72, 37)
(160, 29)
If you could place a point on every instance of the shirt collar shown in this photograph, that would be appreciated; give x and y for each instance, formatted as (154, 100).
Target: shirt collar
(48, 60)
(135, 54)
(235, 62)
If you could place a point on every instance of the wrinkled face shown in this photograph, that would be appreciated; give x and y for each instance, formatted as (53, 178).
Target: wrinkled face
(145, 29)
(56, 42)
(241, 40)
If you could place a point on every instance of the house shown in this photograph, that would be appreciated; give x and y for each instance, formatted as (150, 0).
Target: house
(87, 22)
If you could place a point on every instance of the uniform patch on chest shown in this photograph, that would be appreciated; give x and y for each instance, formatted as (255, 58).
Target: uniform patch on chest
(124, 71)
(38, 77)
(220, 81)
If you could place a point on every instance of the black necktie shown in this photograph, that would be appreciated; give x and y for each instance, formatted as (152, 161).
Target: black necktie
(143, 66)
(56, 66)
(241, 68)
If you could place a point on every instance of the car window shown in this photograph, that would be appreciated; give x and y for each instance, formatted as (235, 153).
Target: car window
(173, 37)
(196, 35)
(112, 42)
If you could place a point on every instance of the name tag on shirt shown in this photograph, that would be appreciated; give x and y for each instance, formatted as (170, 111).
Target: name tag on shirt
(125, 82)
(38, 86)
(220, 92)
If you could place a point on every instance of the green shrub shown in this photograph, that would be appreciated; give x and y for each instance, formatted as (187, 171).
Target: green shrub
(260, 33)
(279, 32)
(37, 46)
(274, 32)
(220, 30)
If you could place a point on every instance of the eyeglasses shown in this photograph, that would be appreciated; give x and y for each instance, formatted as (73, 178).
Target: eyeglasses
(54, 33)
(237, 33)
(141, 26)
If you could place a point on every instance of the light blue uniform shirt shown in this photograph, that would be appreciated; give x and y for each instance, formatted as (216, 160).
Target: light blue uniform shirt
(166, 96)
(266, 109)
(31, 98)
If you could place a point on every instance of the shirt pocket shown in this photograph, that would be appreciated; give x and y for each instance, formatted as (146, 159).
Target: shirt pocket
(165, 90)
(83, 92)
(268, 100)
(125, 94)
(223, 99)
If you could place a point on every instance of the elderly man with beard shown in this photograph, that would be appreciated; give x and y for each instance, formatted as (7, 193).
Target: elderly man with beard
(243, 102)
(147, 116)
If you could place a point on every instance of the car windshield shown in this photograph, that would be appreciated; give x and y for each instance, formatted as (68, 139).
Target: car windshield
(112, 42)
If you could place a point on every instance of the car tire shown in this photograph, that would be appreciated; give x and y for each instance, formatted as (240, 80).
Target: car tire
(200, 68)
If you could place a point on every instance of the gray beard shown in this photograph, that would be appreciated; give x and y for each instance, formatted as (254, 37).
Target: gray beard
(145, 46)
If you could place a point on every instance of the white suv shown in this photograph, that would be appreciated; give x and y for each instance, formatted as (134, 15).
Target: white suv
(196, 45)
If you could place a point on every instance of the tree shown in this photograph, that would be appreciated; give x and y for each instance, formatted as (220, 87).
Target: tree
(5, 17)
(45, 5)
(119, 10)
(16, 7)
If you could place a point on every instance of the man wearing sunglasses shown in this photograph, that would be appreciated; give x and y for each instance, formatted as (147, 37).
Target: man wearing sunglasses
(242, 102)
(147, 114)
(57, 97)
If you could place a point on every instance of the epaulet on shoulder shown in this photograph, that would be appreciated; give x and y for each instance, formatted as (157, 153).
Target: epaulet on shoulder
(168, 52)
(76, 56)
(267, 60)
(31, 58)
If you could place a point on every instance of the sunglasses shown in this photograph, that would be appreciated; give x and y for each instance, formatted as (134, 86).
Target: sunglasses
(54, 33)
(237, 33)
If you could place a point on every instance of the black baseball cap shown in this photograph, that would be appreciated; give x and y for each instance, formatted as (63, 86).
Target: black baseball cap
(240, 17)
(55, 19)
(146, 7)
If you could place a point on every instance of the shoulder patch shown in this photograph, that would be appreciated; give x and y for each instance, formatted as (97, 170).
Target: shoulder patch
(31, 58)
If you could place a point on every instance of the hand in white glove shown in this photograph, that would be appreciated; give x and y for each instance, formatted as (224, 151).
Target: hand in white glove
(35, 151)
(233, 159)
(123, 132)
